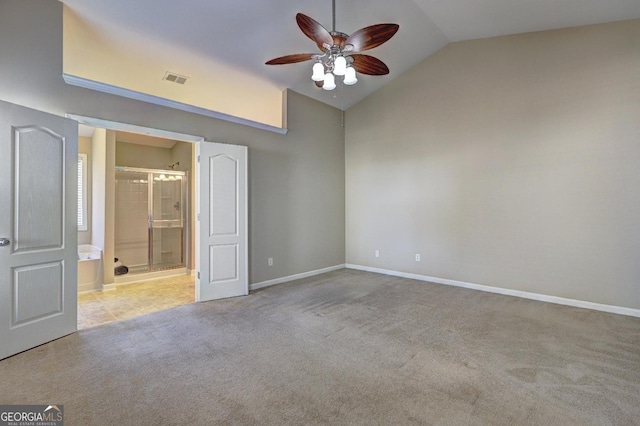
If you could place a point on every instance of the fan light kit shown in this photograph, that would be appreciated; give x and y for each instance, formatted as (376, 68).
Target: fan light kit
(340, 55)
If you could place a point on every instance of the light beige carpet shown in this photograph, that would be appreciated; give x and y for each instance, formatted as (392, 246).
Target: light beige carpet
(347, 347)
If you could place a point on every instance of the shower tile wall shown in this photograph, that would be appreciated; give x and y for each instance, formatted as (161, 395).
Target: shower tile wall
(131, 225)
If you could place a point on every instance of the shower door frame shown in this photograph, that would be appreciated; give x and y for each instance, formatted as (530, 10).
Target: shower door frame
(184, 201)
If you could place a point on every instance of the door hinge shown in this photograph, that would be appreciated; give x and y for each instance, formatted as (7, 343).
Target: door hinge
(198, 158)
(198, 216)
(198, 274)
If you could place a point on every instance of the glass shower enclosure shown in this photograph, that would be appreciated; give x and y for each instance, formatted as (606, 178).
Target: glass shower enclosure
(150, 219)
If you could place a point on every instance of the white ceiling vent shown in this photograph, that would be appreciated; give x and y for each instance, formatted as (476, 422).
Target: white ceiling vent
(175, 78)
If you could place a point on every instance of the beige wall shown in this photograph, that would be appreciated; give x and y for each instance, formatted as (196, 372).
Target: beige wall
(511, 162)
(99, 188)
(296, 181)
(103, 149)
(142, 156)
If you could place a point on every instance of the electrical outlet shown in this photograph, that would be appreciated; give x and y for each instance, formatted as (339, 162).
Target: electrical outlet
(270, 261)
(417, 257)
(377, 253)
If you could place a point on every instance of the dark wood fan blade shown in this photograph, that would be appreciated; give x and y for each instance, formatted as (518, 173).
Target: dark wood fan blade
(365, 64)
(316, 32)
(370, 37)
(291, 59)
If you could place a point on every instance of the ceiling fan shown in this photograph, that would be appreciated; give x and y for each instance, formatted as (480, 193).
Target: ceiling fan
(340, 52)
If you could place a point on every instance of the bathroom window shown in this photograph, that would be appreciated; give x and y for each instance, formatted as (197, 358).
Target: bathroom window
(82, 192)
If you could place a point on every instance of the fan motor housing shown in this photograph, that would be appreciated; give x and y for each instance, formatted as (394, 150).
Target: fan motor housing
(339, 38)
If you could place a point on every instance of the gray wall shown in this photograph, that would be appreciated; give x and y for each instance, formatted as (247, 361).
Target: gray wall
(296, 181)
(511, 162)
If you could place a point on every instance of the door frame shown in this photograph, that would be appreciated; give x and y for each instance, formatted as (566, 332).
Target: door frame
(133, 128)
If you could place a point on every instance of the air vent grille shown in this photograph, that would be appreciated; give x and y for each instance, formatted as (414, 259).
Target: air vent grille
(175, 78)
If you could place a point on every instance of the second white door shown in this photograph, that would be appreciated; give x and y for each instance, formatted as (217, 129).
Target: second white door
(221, 226)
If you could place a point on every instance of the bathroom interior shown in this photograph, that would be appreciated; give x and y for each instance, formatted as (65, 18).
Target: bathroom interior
(135, 233)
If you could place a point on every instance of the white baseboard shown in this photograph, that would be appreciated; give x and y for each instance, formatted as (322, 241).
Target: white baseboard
(147, 276)
(505, 291)
(89, 288)
(269, 283)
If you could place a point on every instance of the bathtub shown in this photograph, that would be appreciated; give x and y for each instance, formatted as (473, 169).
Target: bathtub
(90, 275)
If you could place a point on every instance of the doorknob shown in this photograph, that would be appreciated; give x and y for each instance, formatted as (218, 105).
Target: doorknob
(4, 242)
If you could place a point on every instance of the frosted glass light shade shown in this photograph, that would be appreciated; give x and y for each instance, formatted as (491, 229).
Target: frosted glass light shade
(350, 76)
(329, 82)
(340, 65)
(318, 72)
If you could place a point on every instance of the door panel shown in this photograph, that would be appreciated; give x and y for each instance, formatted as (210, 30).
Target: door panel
(222, 226)
(38, 162)
(223, 202)
(38, 268)
(223, 262)
(37, 282)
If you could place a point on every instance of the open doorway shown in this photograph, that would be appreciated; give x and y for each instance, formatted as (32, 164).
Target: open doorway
(218, 193)
(145, 190)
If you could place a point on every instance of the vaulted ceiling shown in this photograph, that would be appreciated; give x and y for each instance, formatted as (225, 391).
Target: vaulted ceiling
(222, 45)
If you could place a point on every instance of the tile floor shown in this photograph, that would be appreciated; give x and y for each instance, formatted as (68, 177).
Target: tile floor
(135, 299)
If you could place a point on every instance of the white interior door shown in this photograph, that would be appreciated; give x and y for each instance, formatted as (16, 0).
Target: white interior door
(38, 227)
(221, 226)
